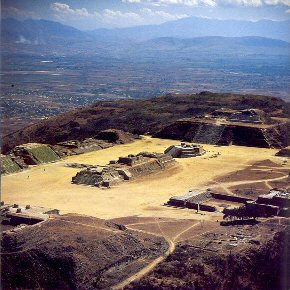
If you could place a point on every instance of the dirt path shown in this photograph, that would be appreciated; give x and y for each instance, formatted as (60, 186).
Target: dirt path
(242, 182)
(154, 263)
(181, 233)
(225, 185)
(150, 266)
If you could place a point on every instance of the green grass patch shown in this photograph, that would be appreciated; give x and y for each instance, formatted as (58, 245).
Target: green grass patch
(8, 166)
(44, 154)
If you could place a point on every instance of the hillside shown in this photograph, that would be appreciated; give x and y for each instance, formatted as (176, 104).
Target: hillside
(262, 264)
(137, 116)
(74, 252)
(38, 32)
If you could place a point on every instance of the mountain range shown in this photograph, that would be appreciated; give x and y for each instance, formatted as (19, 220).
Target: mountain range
(43, 31)
(197, 27)
(182, 37)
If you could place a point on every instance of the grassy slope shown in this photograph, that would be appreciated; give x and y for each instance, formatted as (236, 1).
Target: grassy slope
(8, 165)
(44, 154)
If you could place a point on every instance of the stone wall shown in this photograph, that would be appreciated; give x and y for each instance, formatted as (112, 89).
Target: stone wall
(232, 198)
(209, 132)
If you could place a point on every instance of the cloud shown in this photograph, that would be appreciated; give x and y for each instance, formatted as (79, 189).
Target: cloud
(131, 1)
(162, 14)
(248, 3)
(65, 9)
(17, 13)
(111, 14)
(64, 12)
(212, 3)
(277, 2)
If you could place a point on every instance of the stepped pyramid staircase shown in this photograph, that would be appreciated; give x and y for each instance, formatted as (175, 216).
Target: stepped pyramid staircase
(187, 153)
(208, 134)
(272, 138)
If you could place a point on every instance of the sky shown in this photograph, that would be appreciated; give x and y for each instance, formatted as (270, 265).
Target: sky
(93, 14)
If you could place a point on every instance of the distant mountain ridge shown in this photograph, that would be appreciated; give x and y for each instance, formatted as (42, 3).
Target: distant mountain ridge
(38, 31)
(197, 27)
(43, 31)
(43, 37)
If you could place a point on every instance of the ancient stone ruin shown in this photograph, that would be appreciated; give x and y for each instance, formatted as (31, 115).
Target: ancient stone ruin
(13, 214)
(75, 147)
(27, 154)
(285, 152)
(249, 127)
(193, 199)
(185, 150)
(201, 199)
(274, 203)
(125, 168)
(104, 139)
(35, 153)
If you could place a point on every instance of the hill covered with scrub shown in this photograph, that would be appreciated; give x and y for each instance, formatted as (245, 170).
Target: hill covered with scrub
(138, 116)
(75, 252)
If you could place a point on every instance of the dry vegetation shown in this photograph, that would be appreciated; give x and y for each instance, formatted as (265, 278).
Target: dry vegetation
(75, 252)
(137, 116)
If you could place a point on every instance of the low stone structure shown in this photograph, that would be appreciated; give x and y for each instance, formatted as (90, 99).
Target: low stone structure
(125, 168)
(276, 197)
(75, 147)
(232, 198)
(15, 214)
(253, 116)
(193, 199)
(185, 150)
(198, 199)
(274, 203)
(285, 152)
(262, 210)
(98, 177)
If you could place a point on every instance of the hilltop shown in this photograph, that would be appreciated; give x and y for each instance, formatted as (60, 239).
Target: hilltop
(137, 116)
(75, 252)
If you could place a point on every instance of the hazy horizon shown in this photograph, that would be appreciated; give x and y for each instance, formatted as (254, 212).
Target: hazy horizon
(89, 15)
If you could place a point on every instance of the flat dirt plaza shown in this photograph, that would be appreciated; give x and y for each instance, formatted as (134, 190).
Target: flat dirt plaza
(49, 185)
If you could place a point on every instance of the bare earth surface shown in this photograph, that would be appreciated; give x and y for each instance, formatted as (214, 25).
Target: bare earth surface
(139, 204)
(50, 185)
